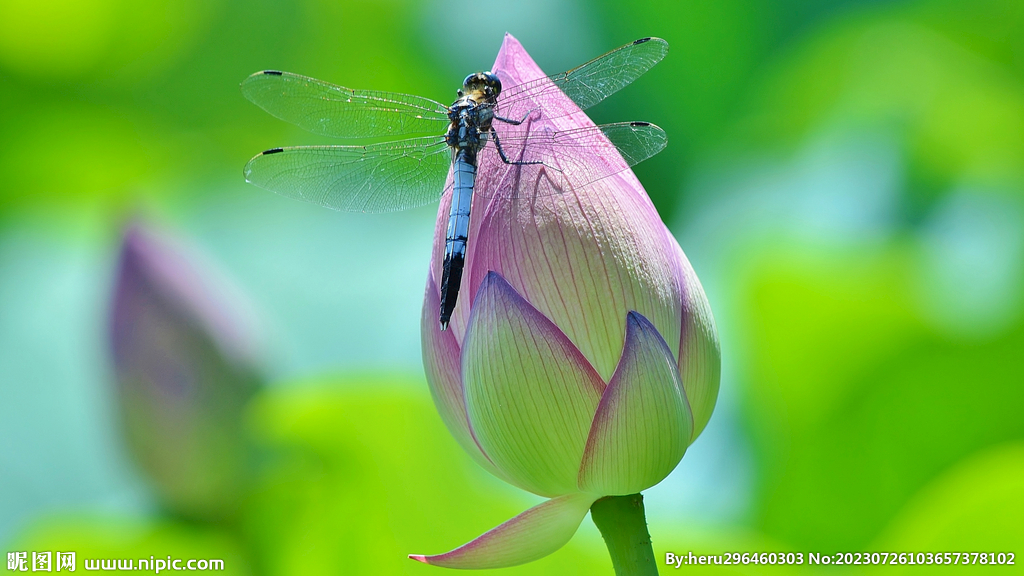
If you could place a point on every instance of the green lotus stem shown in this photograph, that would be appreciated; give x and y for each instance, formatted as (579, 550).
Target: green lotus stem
(623, 525)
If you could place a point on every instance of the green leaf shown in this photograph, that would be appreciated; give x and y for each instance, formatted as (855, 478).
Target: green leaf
(976, 506)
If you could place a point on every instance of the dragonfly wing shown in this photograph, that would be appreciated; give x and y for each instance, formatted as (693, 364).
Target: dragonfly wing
(588, 83)
(330, 110)
(382, 177)
(635, 141)
(572, 159)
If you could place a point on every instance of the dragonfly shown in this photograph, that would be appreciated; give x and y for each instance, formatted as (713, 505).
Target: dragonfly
(485, 120)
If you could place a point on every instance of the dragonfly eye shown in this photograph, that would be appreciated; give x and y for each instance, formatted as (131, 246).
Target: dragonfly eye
(491, 80)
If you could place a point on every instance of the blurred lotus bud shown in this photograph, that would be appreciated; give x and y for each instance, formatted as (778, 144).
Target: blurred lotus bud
(582, 358)
(185, 369)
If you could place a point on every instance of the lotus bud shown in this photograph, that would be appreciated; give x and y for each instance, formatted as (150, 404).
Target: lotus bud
(185, 368)
(582, 358)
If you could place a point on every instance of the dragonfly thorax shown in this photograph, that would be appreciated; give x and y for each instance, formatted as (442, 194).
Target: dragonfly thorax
(470, 122)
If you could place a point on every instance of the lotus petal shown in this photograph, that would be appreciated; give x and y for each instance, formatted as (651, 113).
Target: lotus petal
(530, 394)
(700, 358)
(184, 356)
(441, 358)
(643, 424)
(529, 536)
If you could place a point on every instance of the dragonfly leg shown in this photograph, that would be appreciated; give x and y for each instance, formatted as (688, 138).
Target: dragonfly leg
(515, 122)
(504, 158)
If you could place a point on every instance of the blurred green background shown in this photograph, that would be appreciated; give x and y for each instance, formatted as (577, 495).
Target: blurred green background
(847, 179)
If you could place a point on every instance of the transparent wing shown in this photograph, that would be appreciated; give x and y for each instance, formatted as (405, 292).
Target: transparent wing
(571, 159)
(382, 177)
(330, 110)
(586, 84)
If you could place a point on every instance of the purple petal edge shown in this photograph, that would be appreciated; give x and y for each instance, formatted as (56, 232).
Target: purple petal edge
(442, 363)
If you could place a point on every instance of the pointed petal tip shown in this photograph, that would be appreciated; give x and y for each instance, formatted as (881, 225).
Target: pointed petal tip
(638, 326)
(419, 558)
(510, 41)
(639, 318)
(491, 278)
(634, 318)
(494, 285)
(515, 62)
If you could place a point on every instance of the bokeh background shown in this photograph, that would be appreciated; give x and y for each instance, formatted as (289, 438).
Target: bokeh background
(847, 179)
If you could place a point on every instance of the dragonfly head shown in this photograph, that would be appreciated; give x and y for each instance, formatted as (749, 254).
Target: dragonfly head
(486, 82)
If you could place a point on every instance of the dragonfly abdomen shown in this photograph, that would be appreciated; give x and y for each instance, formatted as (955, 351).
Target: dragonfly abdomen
(464, 176)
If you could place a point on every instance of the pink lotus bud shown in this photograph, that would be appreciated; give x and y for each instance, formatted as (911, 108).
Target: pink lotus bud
(582, 358)
(185, 367)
